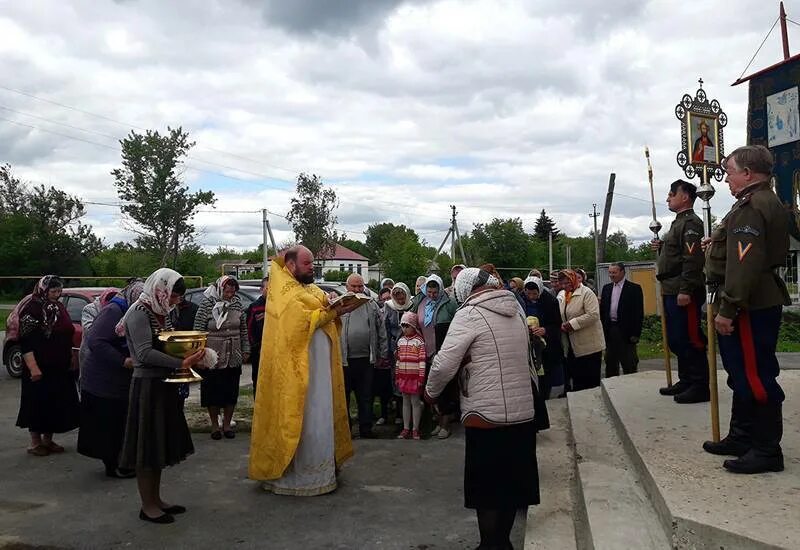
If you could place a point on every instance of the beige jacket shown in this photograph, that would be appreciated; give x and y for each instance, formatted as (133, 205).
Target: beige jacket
(583, 313)
(487, 349)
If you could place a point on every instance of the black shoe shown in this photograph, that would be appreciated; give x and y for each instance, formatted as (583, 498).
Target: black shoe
(229, 434)
(675, 389)
(695, 394)
(174, 509)
(727, 447)
(163, 518)
(216, 435)
(754, 462)
(369, 435)
(120, 473)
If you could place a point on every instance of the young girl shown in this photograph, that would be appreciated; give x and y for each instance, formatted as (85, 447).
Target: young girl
(410, 373)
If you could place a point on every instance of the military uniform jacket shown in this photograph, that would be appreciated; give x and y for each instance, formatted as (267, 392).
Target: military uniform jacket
(680, 261)
(751, 242)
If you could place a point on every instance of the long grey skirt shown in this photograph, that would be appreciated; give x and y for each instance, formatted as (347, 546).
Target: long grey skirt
(156, 433)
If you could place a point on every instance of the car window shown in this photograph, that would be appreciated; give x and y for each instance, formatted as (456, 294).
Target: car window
(75, 305)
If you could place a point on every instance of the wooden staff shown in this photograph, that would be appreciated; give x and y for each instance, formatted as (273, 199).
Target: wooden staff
(655, 227)
(705, 193)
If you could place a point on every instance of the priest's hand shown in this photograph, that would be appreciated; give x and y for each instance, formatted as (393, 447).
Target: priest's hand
(341, 309)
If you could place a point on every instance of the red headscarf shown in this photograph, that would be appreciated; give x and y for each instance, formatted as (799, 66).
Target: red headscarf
(572, 277)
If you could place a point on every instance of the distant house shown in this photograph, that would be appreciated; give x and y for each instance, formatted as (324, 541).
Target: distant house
(237, 266)
(340, 259)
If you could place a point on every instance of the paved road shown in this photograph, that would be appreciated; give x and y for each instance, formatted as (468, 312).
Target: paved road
(394, 495)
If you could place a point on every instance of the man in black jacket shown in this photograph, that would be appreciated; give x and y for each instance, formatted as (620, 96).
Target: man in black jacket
(255, 330)
(622, 315)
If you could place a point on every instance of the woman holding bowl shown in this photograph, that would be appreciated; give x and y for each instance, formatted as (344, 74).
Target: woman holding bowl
(156, 433)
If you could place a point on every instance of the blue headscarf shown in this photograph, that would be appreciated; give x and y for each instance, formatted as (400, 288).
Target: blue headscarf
(431, 305)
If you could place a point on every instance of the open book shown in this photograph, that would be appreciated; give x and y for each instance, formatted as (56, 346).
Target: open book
(349, 298)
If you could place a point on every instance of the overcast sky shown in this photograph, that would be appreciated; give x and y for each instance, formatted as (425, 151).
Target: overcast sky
(405, 107)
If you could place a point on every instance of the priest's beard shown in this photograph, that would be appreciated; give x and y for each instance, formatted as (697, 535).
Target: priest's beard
(305, 279)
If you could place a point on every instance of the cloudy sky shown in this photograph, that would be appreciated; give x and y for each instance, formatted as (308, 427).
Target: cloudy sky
(405, 107)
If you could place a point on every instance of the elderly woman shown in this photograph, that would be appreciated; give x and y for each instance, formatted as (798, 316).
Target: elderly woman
(156, 433)
(393, 310)
(516, 285)
(48, 396)
(546, 334)
(582, 332)
(486, 348)
(435, 310)
(222, 315)
(106, 370)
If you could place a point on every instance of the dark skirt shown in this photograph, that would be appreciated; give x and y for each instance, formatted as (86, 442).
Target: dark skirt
(500, 469)
(102, 427)
(49, 405)
(156, 433)
(220, 387)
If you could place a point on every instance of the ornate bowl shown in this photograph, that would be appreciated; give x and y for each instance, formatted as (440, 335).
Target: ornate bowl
(182, 343)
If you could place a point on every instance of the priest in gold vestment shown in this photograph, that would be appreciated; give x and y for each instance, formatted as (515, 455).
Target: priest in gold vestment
(301, 431)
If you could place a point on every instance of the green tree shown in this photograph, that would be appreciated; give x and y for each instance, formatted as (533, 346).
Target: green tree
(312, 214)
(502, 242)
(159, 203)
(404, 258)
(544, 226)
(356, 246)
(41, 231)
(378, 234)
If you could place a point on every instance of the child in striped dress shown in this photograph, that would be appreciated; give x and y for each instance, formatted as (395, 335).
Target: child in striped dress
(410, 373)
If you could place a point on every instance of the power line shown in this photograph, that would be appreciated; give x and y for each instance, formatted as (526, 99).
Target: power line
(759, 48)
(128, 125)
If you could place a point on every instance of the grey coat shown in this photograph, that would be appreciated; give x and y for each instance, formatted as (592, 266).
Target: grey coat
(378, 347)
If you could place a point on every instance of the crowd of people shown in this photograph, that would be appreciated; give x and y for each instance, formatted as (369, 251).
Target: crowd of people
(484, 351)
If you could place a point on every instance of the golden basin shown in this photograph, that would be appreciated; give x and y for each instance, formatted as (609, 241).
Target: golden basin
(182, 343)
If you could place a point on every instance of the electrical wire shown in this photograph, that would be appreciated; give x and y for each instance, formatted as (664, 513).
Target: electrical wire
(759, 48)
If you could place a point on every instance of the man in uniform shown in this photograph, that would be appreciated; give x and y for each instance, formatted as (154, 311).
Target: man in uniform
(744, 254)
(680, 271)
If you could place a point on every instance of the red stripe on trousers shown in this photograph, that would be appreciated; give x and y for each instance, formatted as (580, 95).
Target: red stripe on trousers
(694, 327)
(749, 354)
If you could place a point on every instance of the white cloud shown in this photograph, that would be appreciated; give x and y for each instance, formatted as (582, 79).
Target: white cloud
(502, 107)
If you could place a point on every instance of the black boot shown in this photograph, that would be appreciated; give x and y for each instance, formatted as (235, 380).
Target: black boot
(695, 394)
(737, 442)
(765, 455)
(676, 388)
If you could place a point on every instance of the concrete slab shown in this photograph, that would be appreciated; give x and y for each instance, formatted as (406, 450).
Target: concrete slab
(617, 507)
(706, 506)
(550, 525)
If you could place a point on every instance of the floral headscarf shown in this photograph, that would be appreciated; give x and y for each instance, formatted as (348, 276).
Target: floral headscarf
(220, 310)
(572, 277)
(398, 288)
(50, 310)
(158, 289)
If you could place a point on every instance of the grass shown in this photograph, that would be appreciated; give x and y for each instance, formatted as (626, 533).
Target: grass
(197, 416)
(4, 313)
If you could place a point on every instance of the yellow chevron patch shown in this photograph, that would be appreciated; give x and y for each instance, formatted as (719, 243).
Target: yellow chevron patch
(743, 250)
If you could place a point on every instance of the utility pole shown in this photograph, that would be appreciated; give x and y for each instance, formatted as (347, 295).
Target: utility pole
(568, 251)
(606, 215)
(452, 234)
(596, 236)
(550, 250)
(265, 250)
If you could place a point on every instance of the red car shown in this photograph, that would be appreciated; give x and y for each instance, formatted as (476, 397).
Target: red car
(74, 299)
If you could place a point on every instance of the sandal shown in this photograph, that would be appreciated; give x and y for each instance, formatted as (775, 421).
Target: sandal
(404, 434)
(53, 447)
(415, 435)
(216, 435)
(39, 450)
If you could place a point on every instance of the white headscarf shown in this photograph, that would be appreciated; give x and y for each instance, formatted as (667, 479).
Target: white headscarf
(473, 277)
(394, 305)
(220, 310)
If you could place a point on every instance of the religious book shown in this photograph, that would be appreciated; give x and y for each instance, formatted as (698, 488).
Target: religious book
(349, 298)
